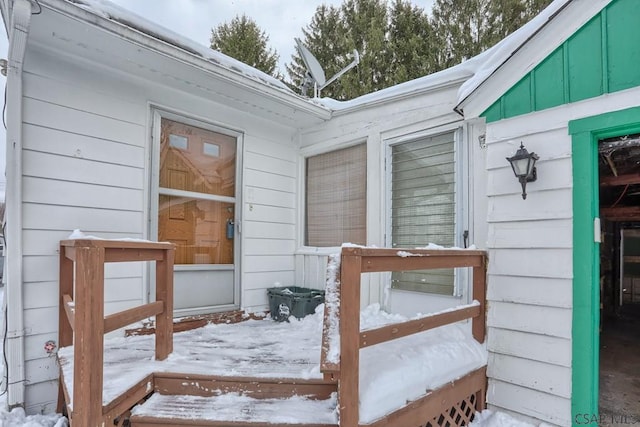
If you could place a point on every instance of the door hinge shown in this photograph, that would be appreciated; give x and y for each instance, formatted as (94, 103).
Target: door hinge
(596, 231)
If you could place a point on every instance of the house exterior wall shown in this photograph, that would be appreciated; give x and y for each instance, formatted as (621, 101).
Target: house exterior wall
(398, 120)
(86, 165)
(530, 276)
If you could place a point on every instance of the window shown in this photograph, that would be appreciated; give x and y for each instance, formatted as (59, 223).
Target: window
(423, 194)
(336, 186)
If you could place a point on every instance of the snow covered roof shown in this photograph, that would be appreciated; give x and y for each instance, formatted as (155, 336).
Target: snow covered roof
(475, 70)
(111, 11)
(451, 75)
(496, 56)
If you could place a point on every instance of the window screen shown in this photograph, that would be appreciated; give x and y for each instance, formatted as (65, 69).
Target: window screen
(423, 198)
(336, 186)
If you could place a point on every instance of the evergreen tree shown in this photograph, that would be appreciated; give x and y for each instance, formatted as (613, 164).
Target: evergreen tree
(460, 27)
(325, 38)
(465, 28)
(399, 42)
(243, 40)
(366, 27)
(411, 43)
(506, 16)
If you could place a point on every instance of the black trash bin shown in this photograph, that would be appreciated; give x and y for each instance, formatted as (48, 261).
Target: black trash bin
(293, 301)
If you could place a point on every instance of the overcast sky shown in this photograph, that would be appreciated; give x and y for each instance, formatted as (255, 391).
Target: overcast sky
(281, 20)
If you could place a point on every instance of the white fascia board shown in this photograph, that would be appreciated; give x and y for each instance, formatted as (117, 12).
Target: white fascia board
(226, 75)
(528, 56)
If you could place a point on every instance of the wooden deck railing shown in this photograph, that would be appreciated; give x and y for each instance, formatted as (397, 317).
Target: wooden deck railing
(345, 288)
(82, 322)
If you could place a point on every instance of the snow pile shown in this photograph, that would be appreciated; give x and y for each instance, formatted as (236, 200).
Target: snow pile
(332, 300)
(403, 369)
(77, 234)
(488, 418)
(17, 418)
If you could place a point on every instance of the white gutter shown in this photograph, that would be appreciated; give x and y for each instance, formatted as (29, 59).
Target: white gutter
(18, 32)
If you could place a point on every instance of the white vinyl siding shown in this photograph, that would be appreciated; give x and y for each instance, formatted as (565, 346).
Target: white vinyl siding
(530, 274)
(86, 149)
(423, 206)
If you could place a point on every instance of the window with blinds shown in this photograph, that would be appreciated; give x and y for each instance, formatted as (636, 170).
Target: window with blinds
(423, 194)
(336, 187)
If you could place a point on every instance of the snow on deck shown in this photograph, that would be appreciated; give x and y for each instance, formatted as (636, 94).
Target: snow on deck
(234, 407)
(391, 373)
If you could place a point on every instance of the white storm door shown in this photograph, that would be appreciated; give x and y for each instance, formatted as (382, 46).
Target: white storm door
(196, 169)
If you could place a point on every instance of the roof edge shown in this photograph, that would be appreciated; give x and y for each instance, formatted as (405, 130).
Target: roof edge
(185, 55)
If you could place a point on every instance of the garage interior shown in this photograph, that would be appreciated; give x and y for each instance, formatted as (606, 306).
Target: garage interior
(619, 170)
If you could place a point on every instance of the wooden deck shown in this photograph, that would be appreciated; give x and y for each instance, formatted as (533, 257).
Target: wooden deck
(143, 386)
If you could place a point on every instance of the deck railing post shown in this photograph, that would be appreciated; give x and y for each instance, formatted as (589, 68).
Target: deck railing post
(351, 266)
(164, 293)
(89, 336)
(480, 294)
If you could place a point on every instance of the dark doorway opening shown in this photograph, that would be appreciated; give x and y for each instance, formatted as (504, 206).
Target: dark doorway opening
(619, 171)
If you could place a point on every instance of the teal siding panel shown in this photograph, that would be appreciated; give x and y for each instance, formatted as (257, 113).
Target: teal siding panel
(494, 113)
(584, 54)
(623, 44)
(549, 82)
(518, 100)
(603, 56)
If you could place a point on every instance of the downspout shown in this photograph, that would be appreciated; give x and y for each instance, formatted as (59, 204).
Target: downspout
(18, 32)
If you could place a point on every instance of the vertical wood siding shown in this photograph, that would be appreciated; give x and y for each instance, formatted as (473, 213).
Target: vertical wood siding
(599, 58)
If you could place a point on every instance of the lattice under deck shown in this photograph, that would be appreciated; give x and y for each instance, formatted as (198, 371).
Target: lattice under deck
(460, 414)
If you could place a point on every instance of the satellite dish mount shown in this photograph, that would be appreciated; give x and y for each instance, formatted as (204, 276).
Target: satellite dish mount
(315, 74)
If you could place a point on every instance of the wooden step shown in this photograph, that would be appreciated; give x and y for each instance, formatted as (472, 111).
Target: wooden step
(234, 409)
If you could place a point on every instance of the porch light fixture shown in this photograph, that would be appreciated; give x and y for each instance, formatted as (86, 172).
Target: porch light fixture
(523, 164)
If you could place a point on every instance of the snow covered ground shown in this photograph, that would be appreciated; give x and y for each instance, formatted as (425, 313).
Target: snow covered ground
(371, 316)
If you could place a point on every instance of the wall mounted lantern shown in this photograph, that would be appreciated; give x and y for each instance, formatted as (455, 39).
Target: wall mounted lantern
(523, 164)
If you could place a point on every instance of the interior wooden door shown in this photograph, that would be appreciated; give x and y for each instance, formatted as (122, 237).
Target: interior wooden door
(196, 211)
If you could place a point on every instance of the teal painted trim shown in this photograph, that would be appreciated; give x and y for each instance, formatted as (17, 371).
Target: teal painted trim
(585, 356)
(601, 57)
(608, 124)
(586, 253)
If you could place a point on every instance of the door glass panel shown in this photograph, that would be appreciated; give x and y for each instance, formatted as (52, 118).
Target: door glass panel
(197, 166)
(201, 229)
(188, 162)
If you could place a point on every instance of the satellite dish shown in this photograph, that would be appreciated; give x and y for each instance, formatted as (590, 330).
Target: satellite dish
(315, 73)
